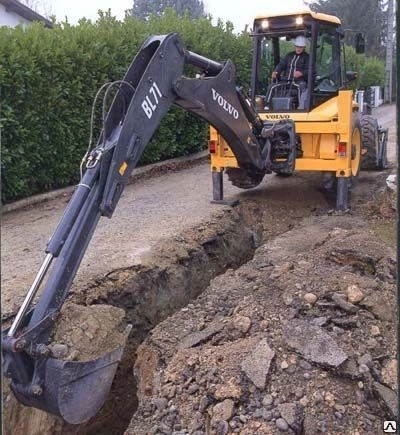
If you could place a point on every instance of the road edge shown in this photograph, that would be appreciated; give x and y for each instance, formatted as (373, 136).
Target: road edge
(171, 164)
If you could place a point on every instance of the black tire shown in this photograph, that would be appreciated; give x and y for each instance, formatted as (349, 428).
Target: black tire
(370, 142)
(244, 180)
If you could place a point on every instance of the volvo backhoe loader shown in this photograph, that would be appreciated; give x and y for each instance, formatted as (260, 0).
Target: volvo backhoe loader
(246, 142)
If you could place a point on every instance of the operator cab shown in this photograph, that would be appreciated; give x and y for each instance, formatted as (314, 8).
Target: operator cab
(274, 37)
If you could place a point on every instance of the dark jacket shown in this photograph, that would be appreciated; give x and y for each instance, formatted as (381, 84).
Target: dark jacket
(293, 62)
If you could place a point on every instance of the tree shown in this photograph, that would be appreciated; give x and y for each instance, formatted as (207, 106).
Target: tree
(144, 8)
(367, 16)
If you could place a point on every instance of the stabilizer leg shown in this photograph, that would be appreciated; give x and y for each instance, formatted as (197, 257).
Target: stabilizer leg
(218, 190)
(342, 195)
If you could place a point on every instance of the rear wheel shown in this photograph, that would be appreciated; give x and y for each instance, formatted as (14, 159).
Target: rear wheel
(356, 148)
(370, 142)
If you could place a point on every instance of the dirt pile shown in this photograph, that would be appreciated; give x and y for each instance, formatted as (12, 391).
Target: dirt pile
(82, 333)
(301, 339)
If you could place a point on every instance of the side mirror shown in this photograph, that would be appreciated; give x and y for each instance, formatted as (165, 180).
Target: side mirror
(360, 43)
(351, 76)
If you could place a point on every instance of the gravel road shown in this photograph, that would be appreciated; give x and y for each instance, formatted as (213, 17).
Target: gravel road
(149, 211)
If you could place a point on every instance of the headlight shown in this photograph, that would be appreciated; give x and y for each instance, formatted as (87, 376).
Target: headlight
(264, 24)
(299, 21)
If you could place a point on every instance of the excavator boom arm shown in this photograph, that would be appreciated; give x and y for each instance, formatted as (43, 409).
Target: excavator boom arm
(153, 82)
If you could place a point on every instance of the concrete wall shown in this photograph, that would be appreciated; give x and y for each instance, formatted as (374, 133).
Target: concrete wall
(11, 19)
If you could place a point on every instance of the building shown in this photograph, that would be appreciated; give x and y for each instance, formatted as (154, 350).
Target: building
(12, 13)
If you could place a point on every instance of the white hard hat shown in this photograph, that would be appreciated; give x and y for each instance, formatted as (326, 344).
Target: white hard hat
(300, 41)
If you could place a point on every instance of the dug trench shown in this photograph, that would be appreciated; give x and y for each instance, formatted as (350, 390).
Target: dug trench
(225, 288)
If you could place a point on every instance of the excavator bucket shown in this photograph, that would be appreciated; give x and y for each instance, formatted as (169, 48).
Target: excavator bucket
(74, 390)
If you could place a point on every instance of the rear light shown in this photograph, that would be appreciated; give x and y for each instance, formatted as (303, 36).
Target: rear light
(212, 146)
(342, 149)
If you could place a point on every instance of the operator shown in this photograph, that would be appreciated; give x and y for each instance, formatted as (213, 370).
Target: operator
(294, 67)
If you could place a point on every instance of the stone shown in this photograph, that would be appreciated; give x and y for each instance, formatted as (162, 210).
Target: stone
(202, 336)
(374, 331)
(266, 415)
(330, 399)
(223, 410)
(222, 428)
(288, 412)
(282, 425)
(354, 294)
(310, 298)
(389, 374)
(268, 400)
(344, 305)
(319, 321)
(313, 343)
(194, 388)
(284, 365)
(242, 323)
(305, 365)
(387, 397)
(256, 366)
(59, 351)
(160, 403)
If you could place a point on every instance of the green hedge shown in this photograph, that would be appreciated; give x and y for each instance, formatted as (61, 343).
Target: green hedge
(48, 81)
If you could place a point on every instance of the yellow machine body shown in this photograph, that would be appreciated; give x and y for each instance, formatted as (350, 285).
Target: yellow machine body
(328, 139)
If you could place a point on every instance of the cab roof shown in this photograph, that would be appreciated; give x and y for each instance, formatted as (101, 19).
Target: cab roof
(305, 11)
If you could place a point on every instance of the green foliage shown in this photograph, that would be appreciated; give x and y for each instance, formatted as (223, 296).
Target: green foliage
(49, 79)
(367, 16)
(371, 70)
(145, 8)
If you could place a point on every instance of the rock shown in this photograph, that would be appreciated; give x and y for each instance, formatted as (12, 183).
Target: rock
(313, 343)
(160, 403)
(284, 365)
(379, 307)
(204, 402)
(242, 323)
(389, 374)
(282, 425)
(268, 400)
(319, 321)
(387, 397)
(344, 305)
(354, 294)
(363, 368)
(365, 359)
(305, 365)
(299, 393)
(194, 388)
(330, 399)
(202, 336)
(310, 298)
(222, 428)
(59, 350)
(223, 410)
(288, 411)
(374, 331)
(257, 364)
(266, 415)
